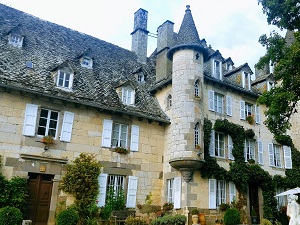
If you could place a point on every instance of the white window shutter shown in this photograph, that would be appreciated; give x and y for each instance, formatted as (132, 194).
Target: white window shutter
(229, 105)
(71, 81)
(245, 151)
(131, 192)
(212, 143)
(66, 130)
(257, 114)
(212, 183)
(287, 157)
(211, 101)
(134, 141)
(232, 192)
(107, 132)
(230, 147)
(242, 110)
(260, 151)
(177, 192)
(30, 120)
(271, 154)
(132, 97)
(102, 182)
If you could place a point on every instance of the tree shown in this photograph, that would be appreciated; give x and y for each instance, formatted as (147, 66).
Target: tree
(284, 54)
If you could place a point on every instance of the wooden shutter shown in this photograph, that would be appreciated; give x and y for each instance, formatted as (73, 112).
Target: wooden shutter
(271, 154)
(212, 143)
(228, 105)
(134, 141)
(66, 130)
(102, 182)
(131, 192)
(107, 132)
(212, 183)
(257, 114)
(287, 157)
(177, 192)
(30, 120)
(230, 147)
(211, 101)
(260, 152)
(242, 110)
(232, 192)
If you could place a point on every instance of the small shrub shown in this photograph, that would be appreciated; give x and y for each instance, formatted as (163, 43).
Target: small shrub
(67, 217)
(170, 219)
(264, 221)
(195, 212)
(134, 221)
(10, 216)
(232, 217)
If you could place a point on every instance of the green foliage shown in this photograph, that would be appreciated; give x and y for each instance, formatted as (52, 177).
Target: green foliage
(67, 217)
(232, 217)
(195, 212)
(81, 180)
(264, 221)
(10, 216)
(170, 219)
(134, 221)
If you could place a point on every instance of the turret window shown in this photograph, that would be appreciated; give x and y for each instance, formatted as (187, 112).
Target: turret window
(197, 88)
(197, 135)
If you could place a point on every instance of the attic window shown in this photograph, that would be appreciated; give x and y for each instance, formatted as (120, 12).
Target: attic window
(246, 81)
(87, 62)
(64, 79)
(141, 78)
(217, 70)
(16, 40)
(128, 95)
(228, 66)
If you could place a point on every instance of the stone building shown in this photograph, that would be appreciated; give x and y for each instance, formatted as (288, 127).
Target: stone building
(93, 96)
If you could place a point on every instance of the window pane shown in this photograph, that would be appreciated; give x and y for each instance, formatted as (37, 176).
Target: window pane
(41, 131)
(52, 132)
(54, 115)
(44, 113)
(43, 122)
(52, 124)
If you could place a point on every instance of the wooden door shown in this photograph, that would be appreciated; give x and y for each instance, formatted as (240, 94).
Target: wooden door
(253, 198)
(39, 198)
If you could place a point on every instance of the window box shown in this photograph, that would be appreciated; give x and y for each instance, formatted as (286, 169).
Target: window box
(250, 119)
(121, 150)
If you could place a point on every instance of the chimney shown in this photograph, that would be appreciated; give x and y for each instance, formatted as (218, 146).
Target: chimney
(165, 40)
(140, 35)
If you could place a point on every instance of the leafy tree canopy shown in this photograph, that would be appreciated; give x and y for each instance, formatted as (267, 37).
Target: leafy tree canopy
(284, 53)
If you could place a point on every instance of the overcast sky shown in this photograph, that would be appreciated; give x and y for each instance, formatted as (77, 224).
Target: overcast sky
(231, 26)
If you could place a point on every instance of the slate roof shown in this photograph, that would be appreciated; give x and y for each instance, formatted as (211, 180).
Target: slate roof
(48, 45)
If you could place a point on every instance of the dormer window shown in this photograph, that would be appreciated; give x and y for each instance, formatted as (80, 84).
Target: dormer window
(228, 66)
(246, 81)
(270, 85)
(64, 79)
(87, 62)
(140, 78)
(128, 95)
(217, 69)
(16, 40)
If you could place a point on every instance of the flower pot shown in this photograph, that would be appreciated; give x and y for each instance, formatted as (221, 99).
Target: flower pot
(195, 219)
(202, 219)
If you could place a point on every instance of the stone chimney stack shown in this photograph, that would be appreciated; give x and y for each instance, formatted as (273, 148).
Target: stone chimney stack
(165, 40)
(140, 35)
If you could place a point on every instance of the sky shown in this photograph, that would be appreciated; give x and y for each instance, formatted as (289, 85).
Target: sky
(231, 26)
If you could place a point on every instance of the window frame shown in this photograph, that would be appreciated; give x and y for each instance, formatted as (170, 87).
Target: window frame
(217, 69)
(246, 81)
(140, 78)
(169, 101)
(64, 73)
(277, 155)
(197, 135)
(16, 40)
(48, 121)
(170, 190)
(249, 149)
(128, 95)
(218, 141)
(197, 88)
(87, 62)
(119, 135)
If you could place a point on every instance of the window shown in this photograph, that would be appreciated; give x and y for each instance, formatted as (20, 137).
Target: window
(48, 122)
(228, 66)
(281, 200)
(246, 81)
(170, 190)
(197, 88)
(246, 109)
(87, 62)
(218, 192)
(217, 144)
(16, 40)
(140, 78)
(277, 152)
(117, 183)
(116, 134)
(197, 135)
(217, 71)
(216, 102)
(64, 79)
(169, 101)
(119, 135)
(249, 150)
(128, 95)
(270, 85)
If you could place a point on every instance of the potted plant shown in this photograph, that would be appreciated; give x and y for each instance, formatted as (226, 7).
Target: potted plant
(195, 216)
(218, 221)
(48, 141)
(168, 206)
(121, 150)
(250, 119)
(251, 161)
(224, 206)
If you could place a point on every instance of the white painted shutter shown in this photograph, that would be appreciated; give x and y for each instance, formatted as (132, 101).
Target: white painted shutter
(287, 157)
(211, 101)
(271, 154)
(230, 147)
(242, 110)
(212, 144)
(257, 114)
(212, 183)
(228, 105)
(134, 141)
(30, 120)
(71, 81)
(107, 132)
(66, 130)
(102, 182)
(260, 151)
(131, 192)
(132, 97)
(245, 151)
(232, 192)
(177, 192)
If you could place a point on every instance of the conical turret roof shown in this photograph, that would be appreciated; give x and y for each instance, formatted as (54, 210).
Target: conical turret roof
(188, 33)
